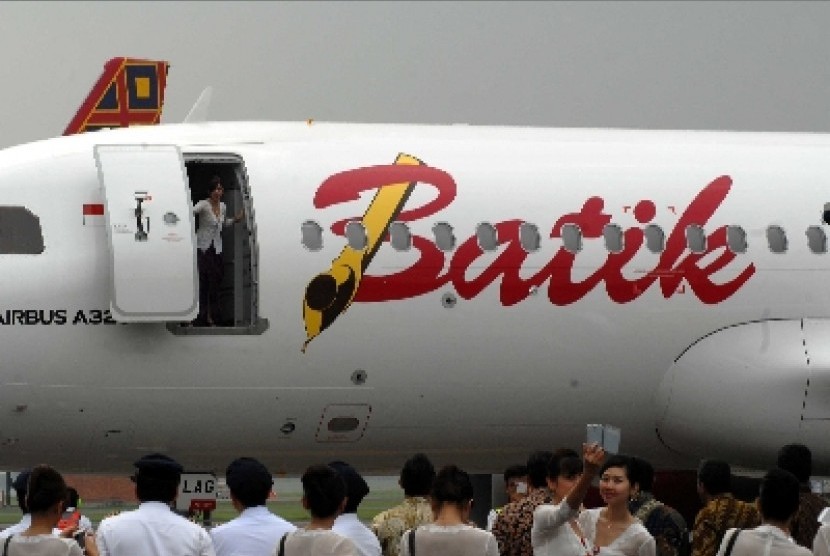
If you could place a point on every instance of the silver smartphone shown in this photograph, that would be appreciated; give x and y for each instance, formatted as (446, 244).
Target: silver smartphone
(594, 435)
(611, 439)
(606, 436)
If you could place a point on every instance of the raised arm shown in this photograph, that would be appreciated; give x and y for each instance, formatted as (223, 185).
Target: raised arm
(592, 456)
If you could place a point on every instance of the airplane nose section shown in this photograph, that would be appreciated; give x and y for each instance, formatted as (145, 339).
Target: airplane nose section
(746, 386)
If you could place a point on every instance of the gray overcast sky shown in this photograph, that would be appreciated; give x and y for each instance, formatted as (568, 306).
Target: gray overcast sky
(681, 65)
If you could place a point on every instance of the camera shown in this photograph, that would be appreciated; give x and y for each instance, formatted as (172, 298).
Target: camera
(80, 538)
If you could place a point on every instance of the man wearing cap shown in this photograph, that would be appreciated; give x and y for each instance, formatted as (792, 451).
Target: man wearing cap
(21, 487)
(256, 531)
(347, 523)
(153, 529)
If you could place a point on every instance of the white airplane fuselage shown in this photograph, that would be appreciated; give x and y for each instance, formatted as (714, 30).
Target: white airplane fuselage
(475, 357)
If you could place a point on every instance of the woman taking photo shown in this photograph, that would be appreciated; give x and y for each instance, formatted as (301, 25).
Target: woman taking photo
(555, 531)
(46, 497)
(612, 530)
(450, 534)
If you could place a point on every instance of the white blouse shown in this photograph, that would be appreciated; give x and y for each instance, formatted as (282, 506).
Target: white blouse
(43, 545)
(552, 535)
(634, 541)
(821, 544)
(450, 540)
(316, 542)
(210, 227)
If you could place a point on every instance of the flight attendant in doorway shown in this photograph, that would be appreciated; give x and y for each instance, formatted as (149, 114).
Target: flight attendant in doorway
(212, 218)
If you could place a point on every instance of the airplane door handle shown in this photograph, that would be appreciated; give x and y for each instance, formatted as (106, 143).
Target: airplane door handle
(140, 234)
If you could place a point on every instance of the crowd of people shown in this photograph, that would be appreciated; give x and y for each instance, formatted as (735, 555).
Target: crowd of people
(544, 515)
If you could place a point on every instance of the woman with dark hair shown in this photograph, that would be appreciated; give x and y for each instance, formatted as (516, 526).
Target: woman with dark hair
(324, 496)
(212, 218)
(555, 531)
(612, 530)
(450, 534)
(46, 499)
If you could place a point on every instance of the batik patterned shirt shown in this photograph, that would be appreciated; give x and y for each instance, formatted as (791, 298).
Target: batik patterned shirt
(513, 525)
(664, 523)
(390, 525)
(721, 513)
(805, 524)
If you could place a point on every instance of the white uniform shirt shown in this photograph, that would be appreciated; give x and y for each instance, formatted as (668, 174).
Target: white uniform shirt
(552, 533)
(152, 530)
(254, 533)
(210, 227)
(765, 540)
(353, 529)
(24, 523)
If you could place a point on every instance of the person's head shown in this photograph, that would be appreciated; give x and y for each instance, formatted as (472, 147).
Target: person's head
(537, 468)
(452, 486)
(249, 482)
(47, 493)
(417, 475)
(157, 478)
(564, 469)
(618, 480)
(644, 473)
(713, 477)
(324, 491)
(798, 460)
(215, 189)
(515, 482)
(356, 487)
(21, 486)
(72, 498)
(779, 496)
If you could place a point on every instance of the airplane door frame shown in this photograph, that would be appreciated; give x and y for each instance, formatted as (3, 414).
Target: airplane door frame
(242, 246)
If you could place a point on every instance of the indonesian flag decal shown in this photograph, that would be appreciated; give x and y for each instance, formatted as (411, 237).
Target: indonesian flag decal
(93, 214)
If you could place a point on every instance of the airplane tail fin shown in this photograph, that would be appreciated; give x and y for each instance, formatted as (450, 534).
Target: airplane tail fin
(129, 92)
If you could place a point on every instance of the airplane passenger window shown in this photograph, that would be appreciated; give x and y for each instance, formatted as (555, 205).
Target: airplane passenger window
(529, 237)
(356, 235)
(655, 239)
(572, 238)
(20, 232)
(613, 238)
(817, 239)
(400, 237)
(736, 239)
(312, 234)
(487, 237)
(695, 239)
(444, 238)
(777, 239)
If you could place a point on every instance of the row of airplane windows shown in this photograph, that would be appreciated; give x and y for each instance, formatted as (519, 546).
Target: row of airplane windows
(529, 238)
(28, 237)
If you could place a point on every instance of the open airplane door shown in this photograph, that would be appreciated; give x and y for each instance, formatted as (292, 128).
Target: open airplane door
(151, 233)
